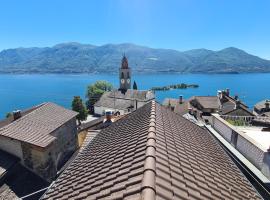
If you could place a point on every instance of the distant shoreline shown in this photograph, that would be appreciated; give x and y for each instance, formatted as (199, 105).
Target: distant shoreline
(98, 73)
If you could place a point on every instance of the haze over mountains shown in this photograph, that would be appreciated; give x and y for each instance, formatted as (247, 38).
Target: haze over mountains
(85, 58)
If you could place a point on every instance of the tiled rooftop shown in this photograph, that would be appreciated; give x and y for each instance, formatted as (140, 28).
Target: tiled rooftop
(152, 153)
(35, 127)
(208, 101)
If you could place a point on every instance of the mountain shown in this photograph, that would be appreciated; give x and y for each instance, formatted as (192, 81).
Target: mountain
(84, 58)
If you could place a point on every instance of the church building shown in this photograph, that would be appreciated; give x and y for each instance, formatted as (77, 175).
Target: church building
(125, 99)
(124, 75)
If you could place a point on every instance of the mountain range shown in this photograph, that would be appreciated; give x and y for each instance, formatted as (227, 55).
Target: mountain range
(84, 58)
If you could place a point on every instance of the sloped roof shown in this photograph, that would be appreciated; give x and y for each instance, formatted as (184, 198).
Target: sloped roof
(152, 153)
(118, 100)
(107, 101)
(260, 105)
(211, 102)
(229, 107)
(10, 119)
(173, 102)
(36, 126)
(140, 95)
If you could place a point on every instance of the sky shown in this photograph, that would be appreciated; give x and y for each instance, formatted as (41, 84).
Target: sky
(171, 24)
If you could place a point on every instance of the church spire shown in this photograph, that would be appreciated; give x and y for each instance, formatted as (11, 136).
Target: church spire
(124, 62)
(124, 75)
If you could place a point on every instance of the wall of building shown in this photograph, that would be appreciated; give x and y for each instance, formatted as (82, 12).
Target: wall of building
(253, 152)
(66, 142)
(100, 110)
(11, 146)
(47, 161)
(222, 128)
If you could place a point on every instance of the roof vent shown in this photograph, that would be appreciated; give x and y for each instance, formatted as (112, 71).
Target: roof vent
(17, 114)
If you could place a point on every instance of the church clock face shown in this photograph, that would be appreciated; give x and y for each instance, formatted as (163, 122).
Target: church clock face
(128, 80)
(122, 81)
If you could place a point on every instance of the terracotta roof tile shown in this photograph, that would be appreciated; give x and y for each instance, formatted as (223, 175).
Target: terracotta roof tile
(152, 153)
(35, 126)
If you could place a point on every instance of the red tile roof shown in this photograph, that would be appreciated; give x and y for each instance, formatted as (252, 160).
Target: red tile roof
(152, 153)
(35, 127)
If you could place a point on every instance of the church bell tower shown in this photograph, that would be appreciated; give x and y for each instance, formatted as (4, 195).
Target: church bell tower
(124, 75)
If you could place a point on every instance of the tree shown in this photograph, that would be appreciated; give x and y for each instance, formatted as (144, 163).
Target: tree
(95, 91)
(135, 86)
(8, 115)
(78, 106)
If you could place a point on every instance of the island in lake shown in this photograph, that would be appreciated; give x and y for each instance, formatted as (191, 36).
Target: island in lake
(175, 86)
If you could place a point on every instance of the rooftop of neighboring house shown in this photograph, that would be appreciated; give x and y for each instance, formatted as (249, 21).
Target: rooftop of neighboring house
(140, 95)
(36, 125)
(223, 103)
(152, 153)
(263, 107)
(118, 100)
(207, 102)
(170, 102)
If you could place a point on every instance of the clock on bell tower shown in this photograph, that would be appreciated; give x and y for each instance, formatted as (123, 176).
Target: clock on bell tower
(124, 75)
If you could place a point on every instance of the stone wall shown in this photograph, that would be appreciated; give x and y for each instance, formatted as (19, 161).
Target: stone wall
(66, 142)
(11, 146)
(47, 161)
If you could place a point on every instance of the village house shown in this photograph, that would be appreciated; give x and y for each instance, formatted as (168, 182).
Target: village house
(125, 99)
(200, 106)
(152, 153)
(42, 138)
(262, 108)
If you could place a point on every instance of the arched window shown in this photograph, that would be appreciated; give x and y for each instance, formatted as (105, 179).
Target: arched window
(128, 75)
(122, 75)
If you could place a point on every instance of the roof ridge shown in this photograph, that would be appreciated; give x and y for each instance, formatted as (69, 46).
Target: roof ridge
(148, 191)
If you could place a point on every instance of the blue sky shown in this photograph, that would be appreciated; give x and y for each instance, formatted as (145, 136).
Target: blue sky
(175, 24)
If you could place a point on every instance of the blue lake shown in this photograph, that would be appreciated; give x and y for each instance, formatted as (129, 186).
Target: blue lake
(23, 91)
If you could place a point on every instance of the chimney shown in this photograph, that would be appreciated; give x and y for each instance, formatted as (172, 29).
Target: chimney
(237, 104)
(17, 114)
(228, 91)
(267, 103)
(180, 99)
(108, 116)
(236, 97)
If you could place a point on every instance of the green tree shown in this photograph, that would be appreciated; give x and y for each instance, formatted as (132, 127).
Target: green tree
(95, 91)
(135, 87)
(78, 106)
(8, 115)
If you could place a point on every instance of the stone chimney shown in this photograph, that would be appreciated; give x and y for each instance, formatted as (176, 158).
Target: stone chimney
(17, 114)
(180, 99)
(108, 116)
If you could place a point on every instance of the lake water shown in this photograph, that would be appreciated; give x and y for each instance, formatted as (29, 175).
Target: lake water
(24, 91)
